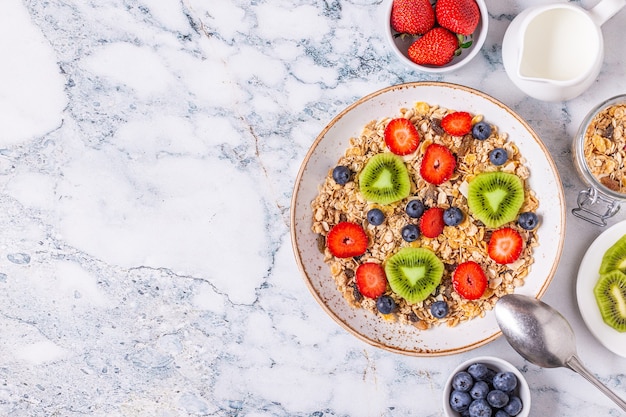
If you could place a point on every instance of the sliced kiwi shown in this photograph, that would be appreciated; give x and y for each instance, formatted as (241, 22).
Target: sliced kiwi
(414, 273)
(495, 198)
(615, 257)
(385, 179)
(610, 293)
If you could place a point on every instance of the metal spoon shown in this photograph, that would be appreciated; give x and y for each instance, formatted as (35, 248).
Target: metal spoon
(543, 336)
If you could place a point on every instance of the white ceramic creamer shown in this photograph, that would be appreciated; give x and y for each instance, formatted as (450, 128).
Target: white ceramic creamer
(555, 52)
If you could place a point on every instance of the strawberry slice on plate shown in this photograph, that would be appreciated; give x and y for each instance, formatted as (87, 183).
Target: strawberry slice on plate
(346, 239)
(457, 124)
(401, 136)
(469, 280)
(505, 245)
(371, 279)
(432, 223)
(438, 164)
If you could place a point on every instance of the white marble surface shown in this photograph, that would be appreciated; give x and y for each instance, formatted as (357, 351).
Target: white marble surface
(147, 157)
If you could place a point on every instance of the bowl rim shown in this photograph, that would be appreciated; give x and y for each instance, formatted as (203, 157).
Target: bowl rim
(478, 43)
(298, 256)
(502, 364)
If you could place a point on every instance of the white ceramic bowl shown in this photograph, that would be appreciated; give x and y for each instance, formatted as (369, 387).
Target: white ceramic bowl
(400, 45)
(332, 143)
(498, 365)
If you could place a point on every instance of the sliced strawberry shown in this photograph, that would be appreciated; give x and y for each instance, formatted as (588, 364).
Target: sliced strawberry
(401, 136)
(371, 279)
(346, 239)
(438, 164)
(431, 222)
(457, 124)
(505, 245)
(415, 17)
(469, 280)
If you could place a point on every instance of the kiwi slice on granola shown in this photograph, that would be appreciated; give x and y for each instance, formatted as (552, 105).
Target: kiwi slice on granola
(615, 257)
(414, 273)
(384, 179)
(495, 198)
(610, 294)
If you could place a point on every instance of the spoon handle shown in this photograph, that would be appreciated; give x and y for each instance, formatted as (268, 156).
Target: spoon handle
(576, 365)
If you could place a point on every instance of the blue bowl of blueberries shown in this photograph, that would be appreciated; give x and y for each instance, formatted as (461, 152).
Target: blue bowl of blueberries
(486, 386)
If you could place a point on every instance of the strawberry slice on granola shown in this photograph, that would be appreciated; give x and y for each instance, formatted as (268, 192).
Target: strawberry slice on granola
(438, 164)
(469, 280)
(458, 123)
(401, 136)
(505, 245)
(371, 280)
(347, 239)
(432, 223)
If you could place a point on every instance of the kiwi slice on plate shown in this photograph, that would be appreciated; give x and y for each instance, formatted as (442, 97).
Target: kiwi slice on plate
(610, 293)
(615, 257)
(414, 273)
(384, 179)
(495, 198)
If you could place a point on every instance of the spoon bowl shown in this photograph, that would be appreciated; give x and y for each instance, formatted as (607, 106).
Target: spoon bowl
(544, 337)
(536, 331)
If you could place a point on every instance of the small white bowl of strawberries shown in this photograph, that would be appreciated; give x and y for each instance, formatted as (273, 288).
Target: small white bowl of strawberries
(436, 35)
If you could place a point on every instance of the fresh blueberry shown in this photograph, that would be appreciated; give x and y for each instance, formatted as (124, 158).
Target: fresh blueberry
(414, 208)
(505, 381)
(385, 304)
(460, 401)
(439, 309)
(375, 217)
(490, 375)
(478, 371)
(502, 413)
(479, 390)
(480, 408)
(514, 406)
(481, 131)
(498, 156)
(410, 233)
(528, 220)
(453, 216)
(341, 174)
(462, 381)
(497, 398)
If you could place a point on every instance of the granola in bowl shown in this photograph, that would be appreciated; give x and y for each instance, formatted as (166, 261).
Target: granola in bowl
(466, 242)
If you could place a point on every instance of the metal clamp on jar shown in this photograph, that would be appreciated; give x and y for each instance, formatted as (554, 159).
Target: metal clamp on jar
(599, 151)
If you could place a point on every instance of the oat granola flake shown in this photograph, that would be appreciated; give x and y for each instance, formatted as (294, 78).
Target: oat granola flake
(463, 243)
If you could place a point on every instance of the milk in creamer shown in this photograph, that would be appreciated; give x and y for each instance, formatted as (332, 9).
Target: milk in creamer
(560, 44)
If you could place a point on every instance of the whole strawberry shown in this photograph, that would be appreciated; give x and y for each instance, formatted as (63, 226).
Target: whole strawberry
(414, 17)
(458, 16)
(437, 47)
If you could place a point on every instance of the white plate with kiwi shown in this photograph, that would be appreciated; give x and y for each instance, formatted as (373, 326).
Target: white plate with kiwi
(331, 144)
(606, 254)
